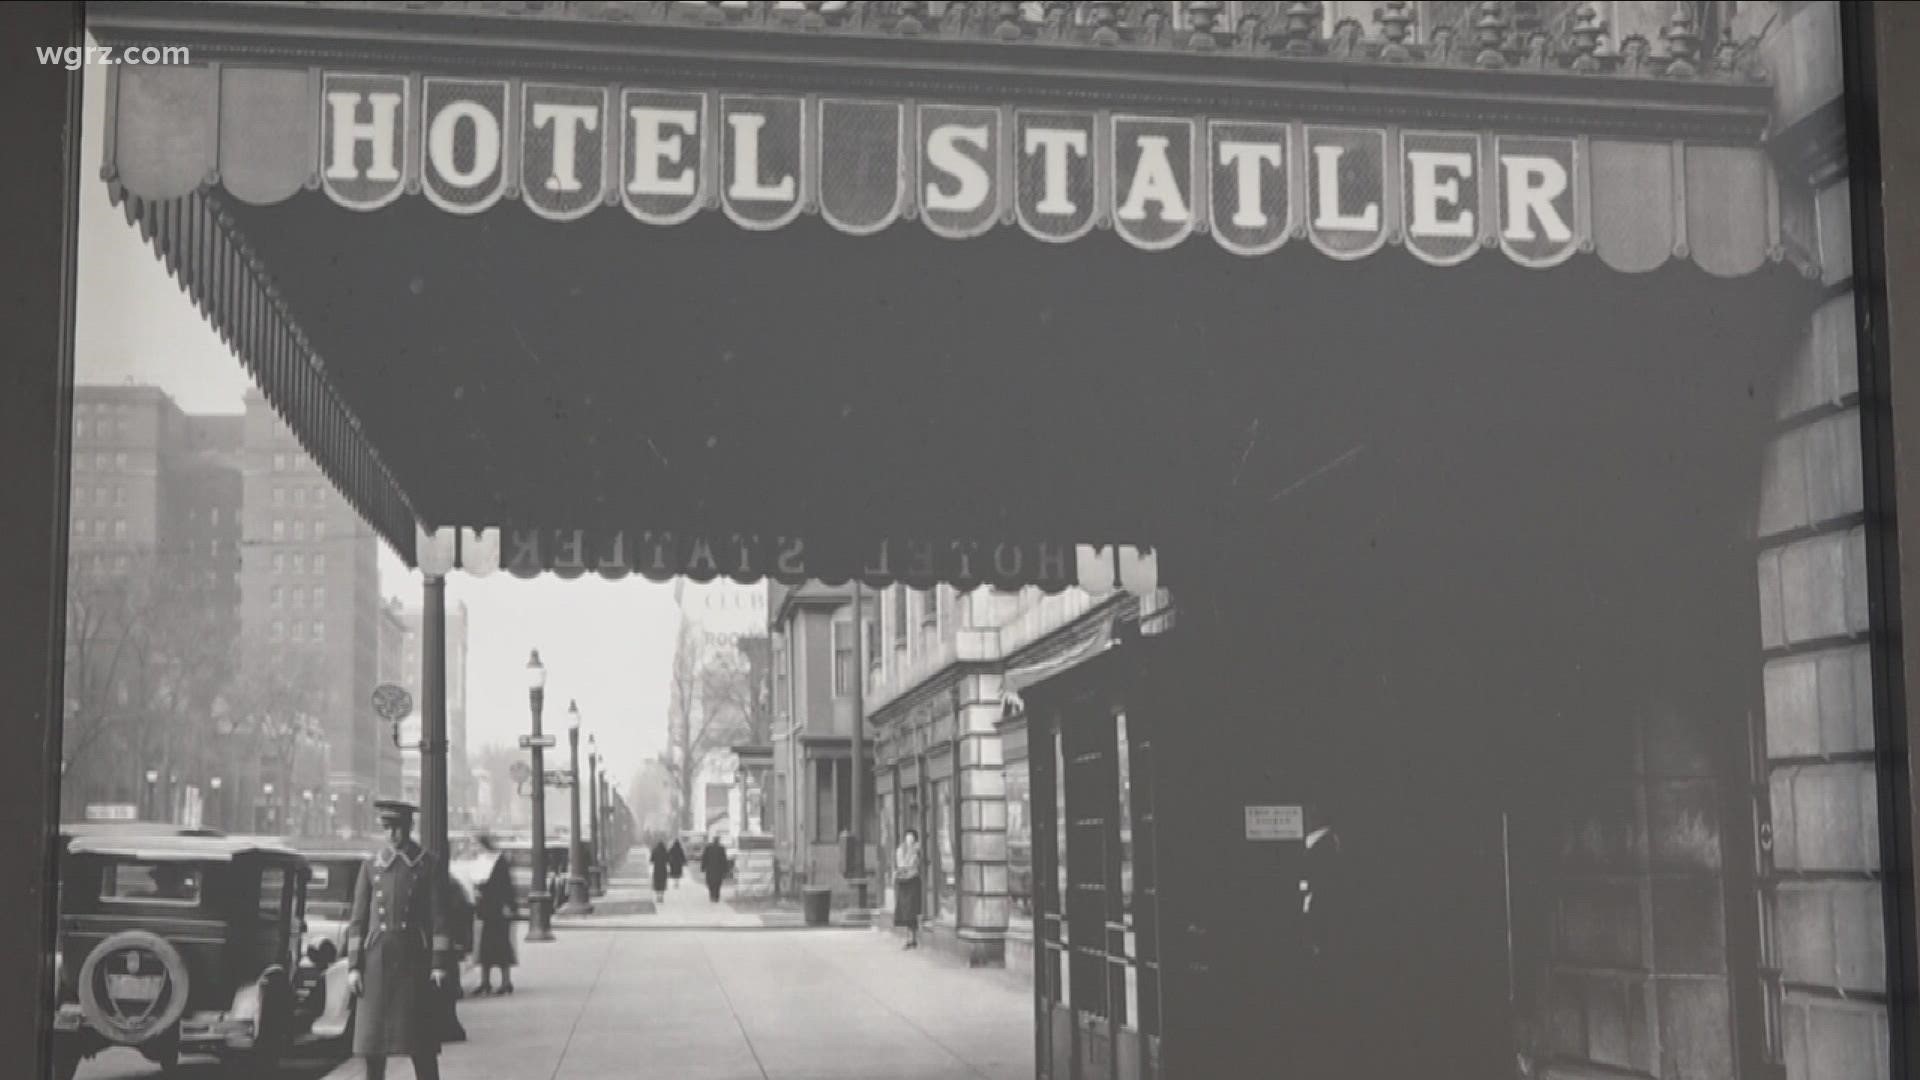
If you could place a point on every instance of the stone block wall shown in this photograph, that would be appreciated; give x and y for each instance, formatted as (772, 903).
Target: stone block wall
(984, 904)
(1822, 893)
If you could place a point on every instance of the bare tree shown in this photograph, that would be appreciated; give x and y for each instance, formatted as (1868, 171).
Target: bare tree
(148, 657)
(708, 709)
(277, 705)
(747, 688)
(104, 613)
(498, 761)
(650, 794)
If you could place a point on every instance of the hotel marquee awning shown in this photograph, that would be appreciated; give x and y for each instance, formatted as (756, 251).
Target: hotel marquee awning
(594, 153)
(646, 293)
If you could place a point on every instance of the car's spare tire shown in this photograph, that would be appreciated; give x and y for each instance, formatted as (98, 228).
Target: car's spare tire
(133, 987)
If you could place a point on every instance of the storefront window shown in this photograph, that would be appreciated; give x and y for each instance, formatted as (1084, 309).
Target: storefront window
(942, 845)
(825, 821)
(782, 678)
(843, 658)
(1019, 846)
(780, 805)
(884, 841)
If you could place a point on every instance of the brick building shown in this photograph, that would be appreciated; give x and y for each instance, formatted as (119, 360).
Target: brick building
(153, 580)
(311, 610)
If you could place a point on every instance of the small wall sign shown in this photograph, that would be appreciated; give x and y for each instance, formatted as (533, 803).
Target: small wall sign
(1275, 823)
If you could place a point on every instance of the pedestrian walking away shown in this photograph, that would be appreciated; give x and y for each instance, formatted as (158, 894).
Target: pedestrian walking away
(459, 924)
(661, 862)
(716, 866)
(496, 907)
(676, 861)
(906, 887)
(399, 950)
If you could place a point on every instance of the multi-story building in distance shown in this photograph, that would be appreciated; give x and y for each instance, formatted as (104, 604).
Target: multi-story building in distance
(310, 616)
(153, 597)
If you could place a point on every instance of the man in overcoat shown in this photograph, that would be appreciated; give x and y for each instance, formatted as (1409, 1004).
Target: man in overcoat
(399, 950)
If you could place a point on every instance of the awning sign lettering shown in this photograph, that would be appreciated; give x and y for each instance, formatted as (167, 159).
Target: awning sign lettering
(463, 160)
(563, 170)
(863, 164)
(1154, 180)
(661, 554)
(663, 169)
(1056, 194)
(960, 184)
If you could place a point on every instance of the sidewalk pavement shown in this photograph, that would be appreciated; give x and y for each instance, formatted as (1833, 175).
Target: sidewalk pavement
(623, 896)
(601, 1003)
(629, 905)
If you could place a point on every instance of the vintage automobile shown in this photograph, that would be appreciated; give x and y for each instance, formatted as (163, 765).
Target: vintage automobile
(519, 855)
(177, 943)
(321, 996)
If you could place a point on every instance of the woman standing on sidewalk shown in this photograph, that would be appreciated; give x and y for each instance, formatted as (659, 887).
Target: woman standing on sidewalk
(906, 887)
(496, 906)
(661, 862)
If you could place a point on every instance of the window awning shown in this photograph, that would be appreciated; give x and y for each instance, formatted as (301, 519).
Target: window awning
(659, 155)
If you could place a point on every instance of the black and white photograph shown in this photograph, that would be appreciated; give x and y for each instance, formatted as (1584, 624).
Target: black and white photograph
(1151, 540)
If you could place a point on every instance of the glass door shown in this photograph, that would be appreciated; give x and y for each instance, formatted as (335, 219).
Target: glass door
(1092, 901)
(1096, 902)
(1053, 991)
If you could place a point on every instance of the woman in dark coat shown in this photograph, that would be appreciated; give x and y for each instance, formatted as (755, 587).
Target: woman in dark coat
(676, 861)
(715, 865)
(661, 862)
(496, 905)
(906, 886)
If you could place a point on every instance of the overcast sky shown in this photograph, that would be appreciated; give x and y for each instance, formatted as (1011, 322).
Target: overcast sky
(607, 644)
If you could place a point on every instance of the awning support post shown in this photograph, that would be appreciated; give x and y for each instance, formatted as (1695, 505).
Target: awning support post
(433, 719)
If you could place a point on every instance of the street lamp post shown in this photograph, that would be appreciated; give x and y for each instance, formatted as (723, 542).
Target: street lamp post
(149, 811)
(218, 809)
(539, 915)
(577, 901)
(273, 818)
(596, 857)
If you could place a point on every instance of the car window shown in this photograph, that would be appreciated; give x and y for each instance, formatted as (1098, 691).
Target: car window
(273, 885)
(156, 882)
(318, 882)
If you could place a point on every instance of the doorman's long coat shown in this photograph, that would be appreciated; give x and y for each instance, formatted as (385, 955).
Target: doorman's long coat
(397, 937)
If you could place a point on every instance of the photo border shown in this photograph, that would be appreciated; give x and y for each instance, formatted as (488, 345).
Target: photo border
(43, 170)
